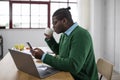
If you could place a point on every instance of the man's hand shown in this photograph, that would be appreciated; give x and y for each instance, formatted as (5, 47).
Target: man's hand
(37, 53)
(48, 36)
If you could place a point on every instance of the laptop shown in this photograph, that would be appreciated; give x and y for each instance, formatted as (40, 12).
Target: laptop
(25, 63)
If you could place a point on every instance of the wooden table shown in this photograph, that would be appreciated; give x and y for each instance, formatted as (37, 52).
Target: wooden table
(8, 71)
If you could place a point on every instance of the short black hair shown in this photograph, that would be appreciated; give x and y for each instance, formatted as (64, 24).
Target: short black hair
(63, 13)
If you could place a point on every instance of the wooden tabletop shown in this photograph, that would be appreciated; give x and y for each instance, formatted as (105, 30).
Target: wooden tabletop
(8, 71)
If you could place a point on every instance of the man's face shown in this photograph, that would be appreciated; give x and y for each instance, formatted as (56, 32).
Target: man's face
(58, 25)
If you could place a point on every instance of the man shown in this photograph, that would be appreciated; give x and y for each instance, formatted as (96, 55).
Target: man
(74, 52)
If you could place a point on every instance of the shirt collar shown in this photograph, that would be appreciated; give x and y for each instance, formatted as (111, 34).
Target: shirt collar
(68, 32)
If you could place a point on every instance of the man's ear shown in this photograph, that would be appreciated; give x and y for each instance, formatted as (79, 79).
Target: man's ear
(64, 21)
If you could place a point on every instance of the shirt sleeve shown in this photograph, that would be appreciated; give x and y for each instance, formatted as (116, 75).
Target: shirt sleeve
(43, 56)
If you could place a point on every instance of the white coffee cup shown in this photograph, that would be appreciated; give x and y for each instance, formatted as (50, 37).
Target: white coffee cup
(48, 31)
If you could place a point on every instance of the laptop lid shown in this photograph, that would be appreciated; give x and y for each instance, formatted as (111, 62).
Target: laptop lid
(24, 62)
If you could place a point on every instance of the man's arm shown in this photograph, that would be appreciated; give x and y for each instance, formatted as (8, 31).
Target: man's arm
(54, 46)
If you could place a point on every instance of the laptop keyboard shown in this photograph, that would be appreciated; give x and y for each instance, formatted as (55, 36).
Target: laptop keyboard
(47, 72)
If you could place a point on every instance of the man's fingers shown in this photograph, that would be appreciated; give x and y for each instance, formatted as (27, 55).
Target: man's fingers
(36, 49)
(48, 36)
(33, 52)
(45, 34)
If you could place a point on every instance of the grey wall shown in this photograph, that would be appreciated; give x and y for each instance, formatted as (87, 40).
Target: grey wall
(112, 33)
(117, 35)
(97, 26)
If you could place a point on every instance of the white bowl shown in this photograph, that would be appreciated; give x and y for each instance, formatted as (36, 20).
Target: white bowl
(48, 31)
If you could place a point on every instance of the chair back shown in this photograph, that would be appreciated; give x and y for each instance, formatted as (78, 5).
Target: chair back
(105, 68)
